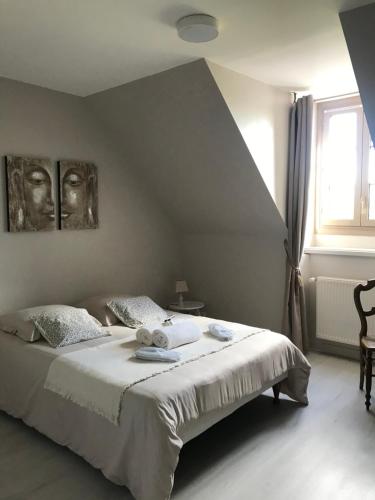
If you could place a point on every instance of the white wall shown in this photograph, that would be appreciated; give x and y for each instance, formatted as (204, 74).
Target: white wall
(337, 266)
(135, 247)
(261, 113)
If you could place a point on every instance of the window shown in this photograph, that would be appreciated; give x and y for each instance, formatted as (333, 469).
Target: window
(345, 195)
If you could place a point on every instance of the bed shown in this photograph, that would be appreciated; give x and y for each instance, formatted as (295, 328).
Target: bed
(159, 412)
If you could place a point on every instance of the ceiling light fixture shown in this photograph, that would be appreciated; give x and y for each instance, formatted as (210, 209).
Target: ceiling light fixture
(197, 28)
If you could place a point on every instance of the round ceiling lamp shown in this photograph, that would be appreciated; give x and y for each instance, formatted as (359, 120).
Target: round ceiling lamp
(197, 28)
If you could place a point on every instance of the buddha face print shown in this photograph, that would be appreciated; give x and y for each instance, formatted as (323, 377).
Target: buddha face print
(78, 195)
(30, 194)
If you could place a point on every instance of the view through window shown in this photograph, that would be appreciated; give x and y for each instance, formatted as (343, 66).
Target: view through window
(345, 194)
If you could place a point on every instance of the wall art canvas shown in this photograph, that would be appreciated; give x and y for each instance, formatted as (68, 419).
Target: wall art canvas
(78, 195)
(30, 194)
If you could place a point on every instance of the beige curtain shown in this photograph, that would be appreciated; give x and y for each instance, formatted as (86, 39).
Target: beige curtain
(299, 163)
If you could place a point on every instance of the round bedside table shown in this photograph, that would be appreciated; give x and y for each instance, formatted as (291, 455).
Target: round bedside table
(188, 306)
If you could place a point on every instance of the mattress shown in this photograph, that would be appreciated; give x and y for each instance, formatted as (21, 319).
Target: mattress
(158, 415)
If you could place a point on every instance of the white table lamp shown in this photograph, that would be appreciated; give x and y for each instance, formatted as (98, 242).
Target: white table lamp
(181, 288)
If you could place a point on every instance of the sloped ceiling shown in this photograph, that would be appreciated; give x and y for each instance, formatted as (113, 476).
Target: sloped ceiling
(359, 29)
(176, 129)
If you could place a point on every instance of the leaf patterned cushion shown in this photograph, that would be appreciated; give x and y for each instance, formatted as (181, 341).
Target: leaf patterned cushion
(97, 307)
(135, 312)
(20, 322)
(63, 328)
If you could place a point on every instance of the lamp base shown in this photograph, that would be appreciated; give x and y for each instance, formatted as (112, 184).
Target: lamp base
(180, 300)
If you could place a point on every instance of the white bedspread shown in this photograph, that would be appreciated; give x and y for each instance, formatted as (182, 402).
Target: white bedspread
(97, 377)
(157, 415)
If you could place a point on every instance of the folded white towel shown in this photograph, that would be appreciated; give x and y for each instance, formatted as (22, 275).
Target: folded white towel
(157, 354)
(144, 334)
(221, 332)
(175, 335)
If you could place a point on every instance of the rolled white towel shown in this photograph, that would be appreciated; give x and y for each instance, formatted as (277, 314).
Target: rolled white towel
(169, 337)
(144, 334)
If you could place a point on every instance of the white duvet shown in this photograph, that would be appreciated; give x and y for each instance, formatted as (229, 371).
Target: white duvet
(156, 411)
(97, 377)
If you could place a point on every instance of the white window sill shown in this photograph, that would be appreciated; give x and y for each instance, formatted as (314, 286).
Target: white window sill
(348, 252)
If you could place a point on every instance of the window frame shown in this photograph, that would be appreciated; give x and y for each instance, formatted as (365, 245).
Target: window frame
(365, 201)
(360, 224)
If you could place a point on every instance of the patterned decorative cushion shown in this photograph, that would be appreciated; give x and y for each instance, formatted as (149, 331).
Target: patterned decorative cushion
(135, 312)
(97, 307)
(67, 327)
(20, 322)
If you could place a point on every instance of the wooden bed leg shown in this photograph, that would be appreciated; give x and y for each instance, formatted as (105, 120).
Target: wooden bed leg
(276, 393)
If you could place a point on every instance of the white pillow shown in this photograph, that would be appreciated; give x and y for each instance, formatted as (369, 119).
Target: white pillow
(135, 312)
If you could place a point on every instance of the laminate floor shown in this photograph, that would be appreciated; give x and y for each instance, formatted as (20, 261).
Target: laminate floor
(262, 452)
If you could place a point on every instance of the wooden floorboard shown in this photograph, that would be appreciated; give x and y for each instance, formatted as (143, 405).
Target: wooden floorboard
(262, 452)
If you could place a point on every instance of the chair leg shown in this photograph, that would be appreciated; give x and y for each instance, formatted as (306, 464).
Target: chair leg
(362, 354)
(368, 378)
(276, 393)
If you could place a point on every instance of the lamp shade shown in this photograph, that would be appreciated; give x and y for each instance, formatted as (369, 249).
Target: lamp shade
(181, 286)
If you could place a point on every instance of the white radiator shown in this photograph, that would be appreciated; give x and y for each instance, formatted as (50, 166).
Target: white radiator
(336, 316)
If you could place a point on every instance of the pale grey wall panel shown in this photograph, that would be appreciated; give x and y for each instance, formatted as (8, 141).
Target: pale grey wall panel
(179, 134)
(178, 130)
(240, 277)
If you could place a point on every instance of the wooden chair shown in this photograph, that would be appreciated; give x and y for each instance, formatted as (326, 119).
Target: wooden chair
(366, 344)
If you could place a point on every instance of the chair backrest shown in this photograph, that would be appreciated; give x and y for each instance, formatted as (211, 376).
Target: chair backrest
(357, 301)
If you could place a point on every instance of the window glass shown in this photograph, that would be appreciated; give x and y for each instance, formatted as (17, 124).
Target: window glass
(339, 166)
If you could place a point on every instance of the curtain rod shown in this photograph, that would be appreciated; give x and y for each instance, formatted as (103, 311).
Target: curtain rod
(341, 96)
